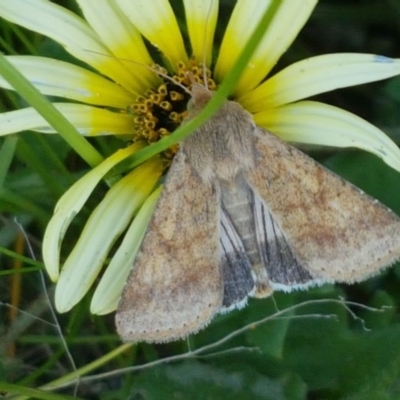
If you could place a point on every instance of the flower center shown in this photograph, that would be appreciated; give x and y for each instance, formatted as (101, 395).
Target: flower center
(160, 111)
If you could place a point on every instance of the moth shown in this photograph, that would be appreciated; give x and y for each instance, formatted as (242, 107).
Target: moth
(243, 213)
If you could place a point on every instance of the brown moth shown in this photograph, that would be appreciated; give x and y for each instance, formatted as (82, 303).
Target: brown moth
(243, 213)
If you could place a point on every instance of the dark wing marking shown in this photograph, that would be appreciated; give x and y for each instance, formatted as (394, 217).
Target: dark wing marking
(236, 267)
(284, 269)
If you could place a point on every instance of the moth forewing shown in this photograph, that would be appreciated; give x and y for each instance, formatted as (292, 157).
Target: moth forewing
(336, 231)
(175, 286)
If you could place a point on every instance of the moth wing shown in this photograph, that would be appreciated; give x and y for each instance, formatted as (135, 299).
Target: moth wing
(236, 266)
(175, 286)
(335, 231)
(284, 269)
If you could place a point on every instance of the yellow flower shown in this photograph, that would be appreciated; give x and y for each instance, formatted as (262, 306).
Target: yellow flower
(127, 99)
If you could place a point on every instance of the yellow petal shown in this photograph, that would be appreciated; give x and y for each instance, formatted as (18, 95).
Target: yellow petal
(201, 20)
(321, 124)
(318, 75)
(105, 298)
(71, 31)
(104, 226)
(283, 29)
(89, 121)
(156, 21)
(70, 204)
(62, 79)
(121, 38)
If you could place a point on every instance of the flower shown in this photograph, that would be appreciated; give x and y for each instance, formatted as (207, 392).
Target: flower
(123, 98)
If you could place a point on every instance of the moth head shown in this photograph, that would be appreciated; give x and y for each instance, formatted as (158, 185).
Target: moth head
(200, 96)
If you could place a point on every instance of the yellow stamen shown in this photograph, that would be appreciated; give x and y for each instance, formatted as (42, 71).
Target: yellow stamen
(161, 110)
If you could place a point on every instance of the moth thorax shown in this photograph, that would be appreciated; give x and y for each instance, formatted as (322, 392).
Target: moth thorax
(223, 146)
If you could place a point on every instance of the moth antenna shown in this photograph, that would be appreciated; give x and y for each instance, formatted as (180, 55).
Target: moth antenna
(150, 68)
(195, 85)
(204, 47)
(191, 78)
